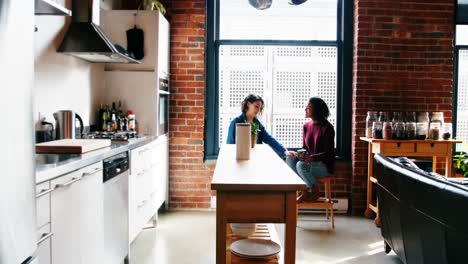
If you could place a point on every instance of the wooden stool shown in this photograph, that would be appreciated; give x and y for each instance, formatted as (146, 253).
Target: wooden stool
(323, 202)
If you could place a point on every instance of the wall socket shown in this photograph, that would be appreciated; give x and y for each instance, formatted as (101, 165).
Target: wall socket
(213, 202)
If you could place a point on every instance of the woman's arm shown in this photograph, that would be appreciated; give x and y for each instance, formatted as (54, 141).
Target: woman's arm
(264, 136)
(231, 137)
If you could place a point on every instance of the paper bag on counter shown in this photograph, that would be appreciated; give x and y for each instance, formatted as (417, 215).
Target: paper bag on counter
(243, 141)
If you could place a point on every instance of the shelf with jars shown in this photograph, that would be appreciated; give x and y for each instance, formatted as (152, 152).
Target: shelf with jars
(407, 126)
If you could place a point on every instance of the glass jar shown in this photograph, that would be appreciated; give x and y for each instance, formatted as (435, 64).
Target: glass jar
(421, 130)
(434, 131)
(397, 117)
(399, 130)
(383, 117)
(387, 130)
(437, 117)
(370, 119)
(447, 131)
(411, 117)
(423, 117)
(377, 130)
(411, 130)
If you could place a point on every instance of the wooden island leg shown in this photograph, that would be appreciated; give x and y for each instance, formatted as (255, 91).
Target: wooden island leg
(290, 229)
(370, 166)
(449, 163)
(220, 230)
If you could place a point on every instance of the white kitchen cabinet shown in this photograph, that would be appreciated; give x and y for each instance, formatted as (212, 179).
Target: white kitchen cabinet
(156, 37)
(44, 245)
(148, 183)
(43, 191)
(65, 222)
(91, 208)
(77, 216)
(139, 187)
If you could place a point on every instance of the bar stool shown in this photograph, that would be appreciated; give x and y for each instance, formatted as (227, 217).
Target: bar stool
(323, 202)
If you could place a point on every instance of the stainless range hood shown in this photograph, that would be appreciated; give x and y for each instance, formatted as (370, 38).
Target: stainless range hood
(86, 40)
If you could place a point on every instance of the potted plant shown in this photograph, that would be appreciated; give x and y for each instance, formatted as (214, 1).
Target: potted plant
(153, 5)
(460, 163)
(254, 130)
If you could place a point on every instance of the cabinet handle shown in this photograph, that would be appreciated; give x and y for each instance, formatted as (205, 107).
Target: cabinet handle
(86, 174)
(142, 204)
(73, 180)
(44, 237)
(142, 172)
(143, 151)
(44, 192)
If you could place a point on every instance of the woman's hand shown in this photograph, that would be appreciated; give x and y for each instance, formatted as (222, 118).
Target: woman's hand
(290, 153)
(307, 157)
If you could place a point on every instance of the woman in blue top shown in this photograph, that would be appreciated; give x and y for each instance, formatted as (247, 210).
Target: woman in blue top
(251, 107)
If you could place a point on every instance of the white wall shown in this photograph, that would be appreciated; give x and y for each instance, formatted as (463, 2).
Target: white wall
(63, 82)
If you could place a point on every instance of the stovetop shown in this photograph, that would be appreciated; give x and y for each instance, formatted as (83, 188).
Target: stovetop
(114, 136)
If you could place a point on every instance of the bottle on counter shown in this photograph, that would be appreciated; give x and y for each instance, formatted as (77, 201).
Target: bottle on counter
(421, 130)
(131, 121)
(377, 130)
(387, 130)
(434, 131)
(411, 130)
(383, 117)
(397, 117)
(411, 117)
(113, 118)
(447, 131)
(438, 117)
(105, 118)
(423, 117)
(370, 119)
(399, 130)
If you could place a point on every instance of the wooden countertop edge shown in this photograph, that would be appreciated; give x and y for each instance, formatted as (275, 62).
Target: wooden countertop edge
(371, 140)
(256, 187)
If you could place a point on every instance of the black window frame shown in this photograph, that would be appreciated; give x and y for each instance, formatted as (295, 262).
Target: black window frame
(344, 44)
(456, 51)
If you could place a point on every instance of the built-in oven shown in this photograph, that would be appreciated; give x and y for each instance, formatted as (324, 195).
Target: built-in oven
(163, 105)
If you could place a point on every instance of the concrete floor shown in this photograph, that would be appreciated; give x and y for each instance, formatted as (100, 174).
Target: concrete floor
(189, 237)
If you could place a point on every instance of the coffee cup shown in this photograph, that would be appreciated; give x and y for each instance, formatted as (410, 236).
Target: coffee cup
(301, 153)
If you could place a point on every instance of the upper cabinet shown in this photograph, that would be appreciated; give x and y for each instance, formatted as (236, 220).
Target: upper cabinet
(155, 33)
(51, 8)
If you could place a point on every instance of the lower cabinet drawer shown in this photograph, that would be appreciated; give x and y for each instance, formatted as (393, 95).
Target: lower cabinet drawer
(433, 148)
(42, 204)
(398, 147)
(44, 245)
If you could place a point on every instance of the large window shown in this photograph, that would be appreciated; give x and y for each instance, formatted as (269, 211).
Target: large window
(461, 85)
(286, 54)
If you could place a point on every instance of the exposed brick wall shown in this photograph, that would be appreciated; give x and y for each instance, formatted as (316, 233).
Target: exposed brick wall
(402, 62)
(189, 178)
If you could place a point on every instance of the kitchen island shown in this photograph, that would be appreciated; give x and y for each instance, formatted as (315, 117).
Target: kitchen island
(260, 190)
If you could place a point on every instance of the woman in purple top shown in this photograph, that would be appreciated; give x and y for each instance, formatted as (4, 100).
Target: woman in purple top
(319, 145)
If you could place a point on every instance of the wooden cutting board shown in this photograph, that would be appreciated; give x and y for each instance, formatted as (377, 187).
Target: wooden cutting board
(72, 146)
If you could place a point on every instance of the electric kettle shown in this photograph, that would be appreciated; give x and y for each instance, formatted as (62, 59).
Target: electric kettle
(65, 124)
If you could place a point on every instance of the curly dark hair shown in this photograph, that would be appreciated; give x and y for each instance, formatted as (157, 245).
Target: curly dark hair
(320, 109)
(252, 98)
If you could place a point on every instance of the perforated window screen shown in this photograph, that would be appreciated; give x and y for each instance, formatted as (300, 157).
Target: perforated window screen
(462, 103)
(285, 76)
